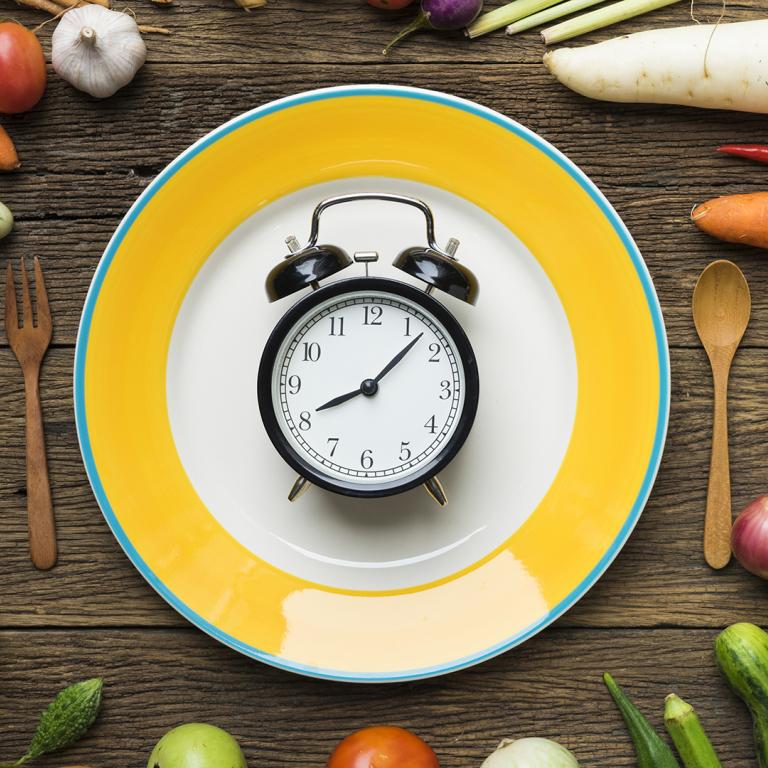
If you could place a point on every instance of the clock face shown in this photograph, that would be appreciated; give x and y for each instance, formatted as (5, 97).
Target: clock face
(368, 387)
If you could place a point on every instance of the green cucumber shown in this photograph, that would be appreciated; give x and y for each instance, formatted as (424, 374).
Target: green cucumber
(651, 750)
(683, 725)
(741, 651)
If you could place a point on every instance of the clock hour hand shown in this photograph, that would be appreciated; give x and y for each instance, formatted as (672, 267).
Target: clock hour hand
(397, 358)
(340, 399)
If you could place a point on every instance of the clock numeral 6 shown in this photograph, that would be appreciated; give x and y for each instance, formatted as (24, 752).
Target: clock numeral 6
(304, 422)
(431, 425)
(405, 451)
(366, 459)
(434, 348)
(294, 384)
(311, 352)
(335, 441)
(445, 389)
(373, 315)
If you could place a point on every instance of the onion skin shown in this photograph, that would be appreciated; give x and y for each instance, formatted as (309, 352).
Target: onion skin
(749, 537)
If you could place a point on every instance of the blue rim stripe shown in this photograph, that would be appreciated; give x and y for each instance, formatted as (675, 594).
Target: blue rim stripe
(420, 95)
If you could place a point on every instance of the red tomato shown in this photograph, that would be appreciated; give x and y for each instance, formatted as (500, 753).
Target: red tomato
(391, 5)
(383, 747)
(22, 68)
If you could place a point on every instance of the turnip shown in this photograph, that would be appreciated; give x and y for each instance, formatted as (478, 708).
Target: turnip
(444, 15)
(717, 67)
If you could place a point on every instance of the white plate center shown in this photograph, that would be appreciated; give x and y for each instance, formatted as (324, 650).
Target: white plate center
(528, 391)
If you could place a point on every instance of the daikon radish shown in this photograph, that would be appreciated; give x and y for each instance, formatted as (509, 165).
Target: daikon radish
(703, 65)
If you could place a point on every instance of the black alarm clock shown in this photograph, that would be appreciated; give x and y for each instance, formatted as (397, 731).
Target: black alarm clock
(368, 386)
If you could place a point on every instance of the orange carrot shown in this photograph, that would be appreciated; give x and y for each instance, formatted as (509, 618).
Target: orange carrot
(9, 160)
(735, 218)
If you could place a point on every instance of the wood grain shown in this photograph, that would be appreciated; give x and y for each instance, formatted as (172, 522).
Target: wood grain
(550, 687)
(651, 620)
(660, 578)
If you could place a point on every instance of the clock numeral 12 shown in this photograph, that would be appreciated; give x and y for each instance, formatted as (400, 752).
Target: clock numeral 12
(366, 459)
(334, 321)
(373, 315)
(335, 441)
(431, 426)
(311, 352)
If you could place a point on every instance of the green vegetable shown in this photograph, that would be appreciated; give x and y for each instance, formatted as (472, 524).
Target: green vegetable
(686, 731)
(6, 221)
(651, 751)
(66, 719)
(197, 745)
(506, 14)
(602, 17)
(741, 651)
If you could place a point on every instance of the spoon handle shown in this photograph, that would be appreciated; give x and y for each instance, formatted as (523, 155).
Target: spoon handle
(718, 519)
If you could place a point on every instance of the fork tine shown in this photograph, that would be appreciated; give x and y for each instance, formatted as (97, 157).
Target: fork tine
(26, 299)
(11, 312)
(43, 308)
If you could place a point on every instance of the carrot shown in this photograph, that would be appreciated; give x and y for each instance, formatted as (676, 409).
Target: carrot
(735, 218)
(9, 160)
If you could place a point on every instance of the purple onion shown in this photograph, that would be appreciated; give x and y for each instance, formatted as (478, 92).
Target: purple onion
(444, 15)
(749, 537)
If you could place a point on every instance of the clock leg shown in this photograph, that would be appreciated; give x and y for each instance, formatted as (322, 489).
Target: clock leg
(301, 485)
(435, 489)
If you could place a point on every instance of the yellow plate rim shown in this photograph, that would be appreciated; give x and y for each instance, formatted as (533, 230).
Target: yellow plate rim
(406, 93)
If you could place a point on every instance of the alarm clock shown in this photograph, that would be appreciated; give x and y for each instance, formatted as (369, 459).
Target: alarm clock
(368, 386)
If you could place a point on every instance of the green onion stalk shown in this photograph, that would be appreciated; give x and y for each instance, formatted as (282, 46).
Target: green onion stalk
(602, 17)
(550, 14)
(506, 14)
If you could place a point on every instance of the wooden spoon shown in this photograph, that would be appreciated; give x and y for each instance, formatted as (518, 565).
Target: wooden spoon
(721, 306)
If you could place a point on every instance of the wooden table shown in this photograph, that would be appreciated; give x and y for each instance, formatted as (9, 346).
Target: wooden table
(651, 620)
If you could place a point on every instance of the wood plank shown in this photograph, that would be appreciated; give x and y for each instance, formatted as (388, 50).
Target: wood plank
(318, 31)
(169, 106)
(550, 687)
(85, 162)
(659, 579)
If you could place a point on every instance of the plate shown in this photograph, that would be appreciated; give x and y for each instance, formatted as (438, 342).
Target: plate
(569, 433)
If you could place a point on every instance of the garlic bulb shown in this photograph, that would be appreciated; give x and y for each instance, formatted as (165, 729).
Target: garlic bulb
(97, 50)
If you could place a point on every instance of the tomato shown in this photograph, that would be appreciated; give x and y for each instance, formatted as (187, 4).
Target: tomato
(391, 5)
(22, 68)
(383, 747)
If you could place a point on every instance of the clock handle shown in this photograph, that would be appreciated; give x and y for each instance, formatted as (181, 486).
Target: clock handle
(412, 201)
(299, 487)
(435, 489)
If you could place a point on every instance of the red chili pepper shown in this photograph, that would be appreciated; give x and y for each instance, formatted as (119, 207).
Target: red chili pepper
(756, 152)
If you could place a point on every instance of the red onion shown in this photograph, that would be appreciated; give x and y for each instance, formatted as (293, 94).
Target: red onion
(749, 537)
(440, 14)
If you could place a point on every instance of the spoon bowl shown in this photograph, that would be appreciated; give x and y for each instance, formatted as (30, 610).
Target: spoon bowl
(721, 305)
(721, 308)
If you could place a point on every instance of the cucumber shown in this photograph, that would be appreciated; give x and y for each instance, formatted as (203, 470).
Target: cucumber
(741, 652)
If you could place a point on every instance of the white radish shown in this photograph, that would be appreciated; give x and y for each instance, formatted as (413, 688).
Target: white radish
(721, 66)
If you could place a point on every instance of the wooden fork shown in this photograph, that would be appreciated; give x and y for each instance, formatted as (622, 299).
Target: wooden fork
(29, 343)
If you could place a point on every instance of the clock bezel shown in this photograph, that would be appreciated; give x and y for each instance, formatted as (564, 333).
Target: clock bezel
(353, 285)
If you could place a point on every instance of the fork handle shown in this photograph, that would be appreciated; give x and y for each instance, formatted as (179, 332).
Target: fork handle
(42, 529)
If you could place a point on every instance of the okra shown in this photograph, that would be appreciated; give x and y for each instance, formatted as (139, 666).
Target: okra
(684, 727)
(651, 750)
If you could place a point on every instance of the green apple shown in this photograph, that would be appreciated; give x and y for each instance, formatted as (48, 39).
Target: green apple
(197, 745)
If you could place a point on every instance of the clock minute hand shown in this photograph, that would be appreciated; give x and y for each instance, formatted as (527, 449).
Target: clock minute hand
(397, 358)
(340, 399)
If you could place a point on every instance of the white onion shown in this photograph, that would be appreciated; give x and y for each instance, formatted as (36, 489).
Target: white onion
(530, 753)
